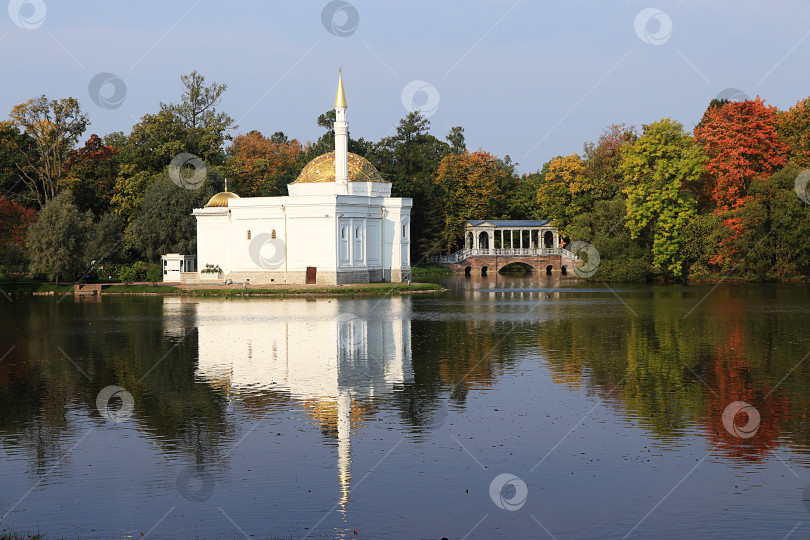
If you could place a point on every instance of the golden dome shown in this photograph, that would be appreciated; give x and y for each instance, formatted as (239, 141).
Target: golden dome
(221, 199)
(322, 169)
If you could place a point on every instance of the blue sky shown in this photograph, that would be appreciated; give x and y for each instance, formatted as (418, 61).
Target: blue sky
(532, 79)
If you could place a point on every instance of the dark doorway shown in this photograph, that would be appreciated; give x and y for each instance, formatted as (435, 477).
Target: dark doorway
(483, 270)
(548, 270)
(311, 274)
(548, 239)
(564, 270)
(468, 271)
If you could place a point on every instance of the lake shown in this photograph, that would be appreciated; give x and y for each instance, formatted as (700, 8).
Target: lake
(507, 407)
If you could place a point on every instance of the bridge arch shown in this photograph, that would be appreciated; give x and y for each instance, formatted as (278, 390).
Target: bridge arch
(516, 264)
(549, 269)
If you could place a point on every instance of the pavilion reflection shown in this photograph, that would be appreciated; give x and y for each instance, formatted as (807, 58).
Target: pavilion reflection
(334, 357)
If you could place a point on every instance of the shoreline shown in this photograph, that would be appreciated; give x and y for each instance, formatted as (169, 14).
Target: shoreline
(225, 291)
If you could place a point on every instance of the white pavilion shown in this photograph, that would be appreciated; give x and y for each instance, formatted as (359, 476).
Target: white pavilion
(338, 224)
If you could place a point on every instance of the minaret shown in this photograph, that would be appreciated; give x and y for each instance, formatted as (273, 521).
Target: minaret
(341, 141)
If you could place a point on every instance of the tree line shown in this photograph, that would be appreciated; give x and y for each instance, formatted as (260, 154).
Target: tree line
(725, 198)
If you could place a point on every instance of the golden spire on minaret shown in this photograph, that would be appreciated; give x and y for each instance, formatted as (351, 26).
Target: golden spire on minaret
(340, 98)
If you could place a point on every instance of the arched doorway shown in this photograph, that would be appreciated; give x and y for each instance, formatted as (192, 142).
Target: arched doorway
(564, 270)
(483, 270)
(468, 271)
(549, 268)
(483, 240)
(469, 241)
(548, 239)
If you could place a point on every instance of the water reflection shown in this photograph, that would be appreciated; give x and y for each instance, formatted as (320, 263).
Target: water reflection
(335, 358)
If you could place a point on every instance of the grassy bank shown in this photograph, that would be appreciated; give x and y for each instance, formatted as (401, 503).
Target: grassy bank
(430, 270)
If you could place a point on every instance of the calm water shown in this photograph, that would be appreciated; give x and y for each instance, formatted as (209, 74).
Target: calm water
(508, 408)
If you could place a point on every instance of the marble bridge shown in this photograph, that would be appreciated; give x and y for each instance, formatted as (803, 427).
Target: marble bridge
(490, 245)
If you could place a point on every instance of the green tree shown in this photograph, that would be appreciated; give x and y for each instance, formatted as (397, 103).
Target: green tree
(658, 168)
(106, 242)
(164, 223)
(56, 243)
(409, 159)
(54, 126)
(456, 139)
(14, 147)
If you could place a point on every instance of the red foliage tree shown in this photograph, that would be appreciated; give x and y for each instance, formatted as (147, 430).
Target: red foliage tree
(90, 173)
(14, 220)
(741, 142)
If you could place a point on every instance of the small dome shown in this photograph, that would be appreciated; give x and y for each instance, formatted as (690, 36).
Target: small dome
(322, 169)
(221, 199)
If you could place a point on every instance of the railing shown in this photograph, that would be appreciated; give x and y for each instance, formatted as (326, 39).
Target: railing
(464, 254)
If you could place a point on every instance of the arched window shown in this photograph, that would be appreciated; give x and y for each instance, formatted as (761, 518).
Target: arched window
(248, 234)
(273, 234)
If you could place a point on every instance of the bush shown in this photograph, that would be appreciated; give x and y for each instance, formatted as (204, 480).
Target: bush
(133, 272)
(154, 273)
(628, 271)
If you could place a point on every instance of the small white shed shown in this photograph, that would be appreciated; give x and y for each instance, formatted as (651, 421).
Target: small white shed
(174, 264)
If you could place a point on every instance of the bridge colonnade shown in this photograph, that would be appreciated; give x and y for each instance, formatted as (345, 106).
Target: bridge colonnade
(507, 234)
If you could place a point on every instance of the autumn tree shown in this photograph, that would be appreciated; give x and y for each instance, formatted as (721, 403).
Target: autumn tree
(262, 167)
(56, 242)
(562, 190)
(602, 160)
(14, 221)
(658, 168)
(54, 126)
(469, 187)
(90, 173)
(793, 127)
(741, 143)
